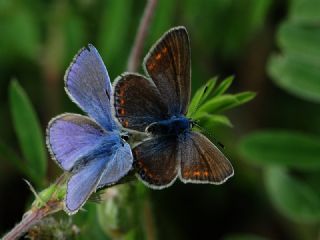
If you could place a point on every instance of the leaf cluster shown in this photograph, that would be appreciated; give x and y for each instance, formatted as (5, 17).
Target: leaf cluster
(290, 160)
(211, 100)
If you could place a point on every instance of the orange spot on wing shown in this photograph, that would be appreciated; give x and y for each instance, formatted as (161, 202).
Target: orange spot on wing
(151, 66)
(122, 101)
(187, 174)
(126, 123)
(158, 56)
(196, 173)
(206, 174)
(164, 50)
(121, 111)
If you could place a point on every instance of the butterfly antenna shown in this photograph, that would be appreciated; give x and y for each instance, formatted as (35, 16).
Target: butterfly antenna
(200, 100)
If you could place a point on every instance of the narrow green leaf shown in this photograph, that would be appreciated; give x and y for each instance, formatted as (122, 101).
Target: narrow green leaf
(218, 104)
(226, 101)
(212, 120)
(201, 95)
(291, 197)
(195, 101)
(223, 86)
(296, 76)
(244, 97)
(282, 148)
(209, 88)
(28, 131)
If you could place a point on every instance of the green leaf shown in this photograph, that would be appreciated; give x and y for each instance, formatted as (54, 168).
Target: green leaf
(291, 197)
(212, 120)
(201, 95)
(300, 42)
(298, 77)
(226, 101)
(28, 131)
(303, 11)
(209, 87)
(195, 101)
(218, 104)
(298, 70)
(282, 148)
(223, 86)
(244, 97)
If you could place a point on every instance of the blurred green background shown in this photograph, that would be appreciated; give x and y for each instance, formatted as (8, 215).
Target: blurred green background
(271, 47)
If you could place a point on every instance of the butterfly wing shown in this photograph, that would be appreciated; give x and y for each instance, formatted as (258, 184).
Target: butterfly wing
(93, 156)
(83, 183)
(156, 161)
(72, 136)
(168, 65)
(202, 161)
(137, 102)
(88, 84)
(118, 166)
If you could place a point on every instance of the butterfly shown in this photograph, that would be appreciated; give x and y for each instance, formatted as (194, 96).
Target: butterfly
(157, 104)
(89, 147)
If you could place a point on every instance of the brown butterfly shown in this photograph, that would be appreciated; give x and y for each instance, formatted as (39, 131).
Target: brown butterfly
(157, 104)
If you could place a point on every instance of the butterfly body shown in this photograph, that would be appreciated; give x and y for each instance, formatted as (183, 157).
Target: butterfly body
(157, 104)
(173, 126)
(104, 148)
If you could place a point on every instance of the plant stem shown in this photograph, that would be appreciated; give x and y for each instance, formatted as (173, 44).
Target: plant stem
(136, 51)
(31, 218)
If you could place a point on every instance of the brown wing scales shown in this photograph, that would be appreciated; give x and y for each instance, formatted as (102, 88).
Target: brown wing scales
(202, 161)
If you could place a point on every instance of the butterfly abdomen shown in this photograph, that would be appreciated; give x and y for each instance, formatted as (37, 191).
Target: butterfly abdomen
(173, 126)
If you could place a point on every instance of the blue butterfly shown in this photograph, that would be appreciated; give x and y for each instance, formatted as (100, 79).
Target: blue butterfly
(90, 148)
(158, 104)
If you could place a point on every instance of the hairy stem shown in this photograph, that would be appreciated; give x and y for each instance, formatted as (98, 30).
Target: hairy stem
(31, 218)
(136, 51)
